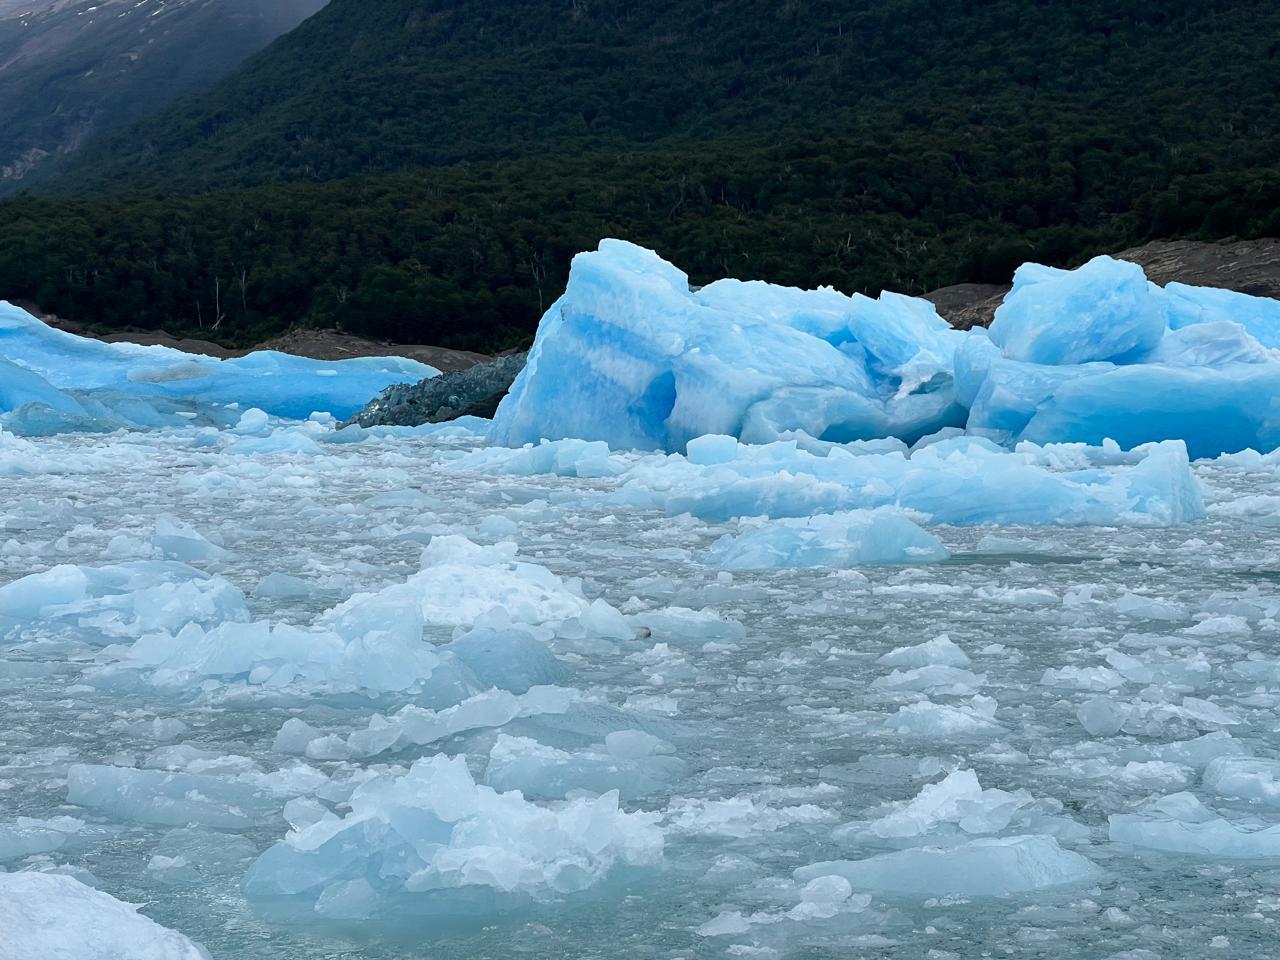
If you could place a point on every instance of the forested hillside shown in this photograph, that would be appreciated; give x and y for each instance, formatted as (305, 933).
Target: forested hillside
(424, 170)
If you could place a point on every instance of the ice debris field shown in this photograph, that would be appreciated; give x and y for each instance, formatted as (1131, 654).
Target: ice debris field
(758, 623)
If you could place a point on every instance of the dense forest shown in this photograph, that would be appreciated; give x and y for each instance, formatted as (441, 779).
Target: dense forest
(425, 170)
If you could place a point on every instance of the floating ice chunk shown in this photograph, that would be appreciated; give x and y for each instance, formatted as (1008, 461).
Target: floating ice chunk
(545, 773)
(940, 650)
(1082, 678)
(1195, 753)
(143, 380)
(1190, 306)
(56, 917)
(507, 658)
(416, 725)
(1149, 608)
(965, 480)
(739, 817)
(986, 867)
(430, 840)
(682, 624)
(253, 422)
(1247, 777)
(958, 799)
(632, 356)
(946, 722)
(933, 679)
(461, 582)
(282, 586)
(1101, 717)
(712, 449)
(1180, 823)
(175, 799)
(124, 600)
(294, 736)
(830, 540)
(1104, 310)
(25, 836)
(563, 458)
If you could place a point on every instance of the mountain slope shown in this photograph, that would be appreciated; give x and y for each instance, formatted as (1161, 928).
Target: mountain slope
(381, 86)
(423, 170)
(73, 69)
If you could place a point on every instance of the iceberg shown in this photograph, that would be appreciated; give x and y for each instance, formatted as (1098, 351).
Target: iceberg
(52, 380)
(1099, 353)
(632, 356)
(57, 917)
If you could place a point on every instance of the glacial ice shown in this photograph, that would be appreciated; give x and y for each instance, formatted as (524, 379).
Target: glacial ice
(83, 382)
(56, 917)
(633, 356)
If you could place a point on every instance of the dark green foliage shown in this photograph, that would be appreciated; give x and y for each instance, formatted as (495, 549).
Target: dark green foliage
(443, 161)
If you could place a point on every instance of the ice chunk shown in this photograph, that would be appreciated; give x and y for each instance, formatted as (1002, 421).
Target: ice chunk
(295, 733)
(883, 536)
(432, 839)
(26, 835)
(975, 719)
(1192, 306)
(508, 658)
(461, 582)
(124, 600)
(1248, 777)
(543, 773)
(56, 917)
(940, 650)
(1104, 310)
(1180, 823)
(1101, 717)
(965, 480)
(175, 799)
(632, 356)
(120, 375)
(986, 867)
(958, 799)
(179, 541)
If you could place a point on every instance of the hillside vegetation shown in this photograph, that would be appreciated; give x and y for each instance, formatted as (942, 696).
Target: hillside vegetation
(425, 170)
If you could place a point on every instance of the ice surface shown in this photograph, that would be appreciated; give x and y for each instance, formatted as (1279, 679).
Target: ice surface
(130, 385)
(57, 917)
(433, 841)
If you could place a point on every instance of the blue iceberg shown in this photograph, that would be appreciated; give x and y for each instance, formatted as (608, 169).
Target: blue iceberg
(52, 381)
(633, 356)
